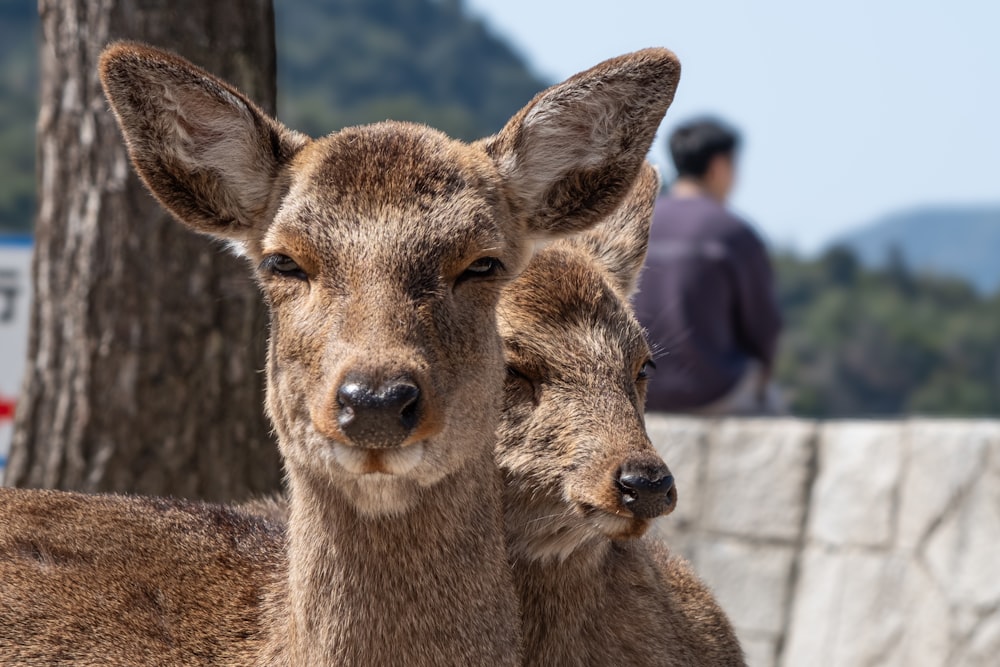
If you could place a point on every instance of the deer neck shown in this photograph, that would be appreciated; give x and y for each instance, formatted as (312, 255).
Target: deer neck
(563, 600)
(428, 586)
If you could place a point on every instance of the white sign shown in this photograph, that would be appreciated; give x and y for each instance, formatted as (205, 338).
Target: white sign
(15, 294)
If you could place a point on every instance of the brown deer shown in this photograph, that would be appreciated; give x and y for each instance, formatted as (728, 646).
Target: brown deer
(381, 251)
(583, 479)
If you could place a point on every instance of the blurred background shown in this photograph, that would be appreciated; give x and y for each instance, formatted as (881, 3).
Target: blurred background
(870, 164)
(871, 159)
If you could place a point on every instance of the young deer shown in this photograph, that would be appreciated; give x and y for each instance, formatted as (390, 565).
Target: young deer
(381, 251)
(583, 480)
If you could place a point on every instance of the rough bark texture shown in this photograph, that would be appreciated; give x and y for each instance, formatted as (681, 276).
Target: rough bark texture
(146, 341)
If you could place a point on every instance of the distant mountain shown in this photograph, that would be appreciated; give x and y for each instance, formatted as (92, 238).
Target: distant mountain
(960, 241)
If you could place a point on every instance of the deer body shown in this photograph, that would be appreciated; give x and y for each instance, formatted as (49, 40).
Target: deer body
(381, 252)
(78, 591)
(622, 602)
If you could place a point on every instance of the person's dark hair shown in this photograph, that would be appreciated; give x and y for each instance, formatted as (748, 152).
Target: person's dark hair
(695, 143)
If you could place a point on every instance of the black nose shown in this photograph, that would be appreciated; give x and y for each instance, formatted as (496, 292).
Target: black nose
(378, 417)
(647, 489)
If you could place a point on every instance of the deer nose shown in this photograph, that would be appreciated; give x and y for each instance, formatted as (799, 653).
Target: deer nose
(378, 416)
(647, 489)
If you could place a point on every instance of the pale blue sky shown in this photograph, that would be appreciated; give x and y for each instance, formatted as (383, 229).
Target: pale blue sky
(850, 110)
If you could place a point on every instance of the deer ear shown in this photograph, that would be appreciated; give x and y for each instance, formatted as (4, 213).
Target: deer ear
(619, 243)
(570, 156)
(207, 153)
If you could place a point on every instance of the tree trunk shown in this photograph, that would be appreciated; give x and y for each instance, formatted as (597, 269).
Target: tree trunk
(147, 342)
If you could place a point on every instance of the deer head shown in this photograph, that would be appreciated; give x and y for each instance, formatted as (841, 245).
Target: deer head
(381, 250)
(573, 443)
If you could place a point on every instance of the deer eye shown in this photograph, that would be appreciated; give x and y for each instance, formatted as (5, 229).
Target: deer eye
(283, 265)
(646, 371)
(484, 267)
(514, 374)
(520, 384)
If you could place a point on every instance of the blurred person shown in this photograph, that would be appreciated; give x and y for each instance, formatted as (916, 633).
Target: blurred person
(707, 296)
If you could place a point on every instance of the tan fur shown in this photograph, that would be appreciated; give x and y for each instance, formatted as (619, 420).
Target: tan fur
(370, 246)
(591, 593)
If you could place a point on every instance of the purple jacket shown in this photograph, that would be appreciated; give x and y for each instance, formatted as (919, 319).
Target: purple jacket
(707, 300)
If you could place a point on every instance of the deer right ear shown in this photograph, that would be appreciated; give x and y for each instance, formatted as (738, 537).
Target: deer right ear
(571, 155)
(207, 153)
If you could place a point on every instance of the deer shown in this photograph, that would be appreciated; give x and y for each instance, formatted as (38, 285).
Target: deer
(381, 251)
(583, 480)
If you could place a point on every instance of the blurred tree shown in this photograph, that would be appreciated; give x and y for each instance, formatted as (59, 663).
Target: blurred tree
(145, 341)
(898, 269)
(885, 341)
(841, 265)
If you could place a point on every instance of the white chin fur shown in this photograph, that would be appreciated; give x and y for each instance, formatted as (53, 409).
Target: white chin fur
(554, 536)
(399, 461)
(403, 460)
(558, 535)
(387, 489)
(380, 494)
(611, 525)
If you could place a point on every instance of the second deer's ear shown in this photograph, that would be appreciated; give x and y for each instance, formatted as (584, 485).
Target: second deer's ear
(210, 155)
(619, 242)
(571, 155)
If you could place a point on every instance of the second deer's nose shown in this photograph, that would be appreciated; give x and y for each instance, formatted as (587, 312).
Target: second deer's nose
(646, 490)
(378, 416)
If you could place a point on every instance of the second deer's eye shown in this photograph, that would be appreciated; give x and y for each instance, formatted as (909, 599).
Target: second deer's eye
(484, 267)
(520, 385)
(646, 371)
(283, 265)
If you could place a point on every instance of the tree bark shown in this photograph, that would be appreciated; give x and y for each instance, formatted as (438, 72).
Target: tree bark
(147, 342)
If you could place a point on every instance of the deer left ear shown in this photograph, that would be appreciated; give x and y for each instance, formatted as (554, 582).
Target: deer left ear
(620, 241)
(206, 152)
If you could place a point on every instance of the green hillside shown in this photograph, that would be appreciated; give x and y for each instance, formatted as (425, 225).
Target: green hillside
(339, 63)
(861, 342)
(358, 61)
(18, 107)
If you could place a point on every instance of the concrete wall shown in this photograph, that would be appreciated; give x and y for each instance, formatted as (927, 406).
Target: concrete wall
(843, 543)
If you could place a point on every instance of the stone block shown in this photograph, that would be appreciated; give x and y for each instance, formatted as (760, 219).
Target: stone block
(853, 498)
(750, 581)
(944, 458)
(756, 478)
(759, 651)
(963, 549)
(927, 622)
(982, 646)
(847, 609)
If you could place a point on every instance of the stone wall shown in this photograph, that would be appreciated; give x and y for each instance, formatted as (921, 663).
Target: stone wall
(843, 543)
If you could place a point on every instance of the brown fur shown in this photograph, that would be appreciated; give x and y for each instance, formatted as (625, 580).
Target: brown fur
(380, 226)
(90, 580)
(590, 593)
